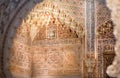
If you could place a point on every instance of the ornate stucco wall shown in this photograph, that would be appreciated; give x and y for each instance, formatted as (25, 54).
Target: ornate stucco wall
(62, 16)
(88, 20)
(114, 6)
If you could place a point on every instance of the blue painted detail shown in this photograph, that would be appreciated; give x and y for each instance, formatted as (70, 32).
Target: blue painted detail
(90, 25)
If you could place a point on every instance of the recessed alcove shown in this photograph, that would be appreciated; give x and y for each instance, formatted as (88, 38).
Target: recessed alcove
(58, 39)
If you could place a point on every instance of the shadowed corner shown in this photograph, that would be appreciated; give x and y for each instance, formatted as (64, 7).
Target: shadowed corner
(11, 35)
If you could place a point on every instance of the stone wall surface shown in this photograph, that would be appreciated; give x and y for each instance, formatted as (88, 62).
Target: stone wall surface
(114, 6)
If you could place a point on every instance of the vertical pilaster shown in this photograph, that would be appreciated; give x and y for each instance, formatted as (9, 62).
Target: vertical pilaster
(90, 26)
(90, 37)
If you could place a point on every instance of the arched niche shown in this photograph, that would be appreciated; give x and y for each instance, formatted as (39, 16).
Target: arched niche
(40, 43)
